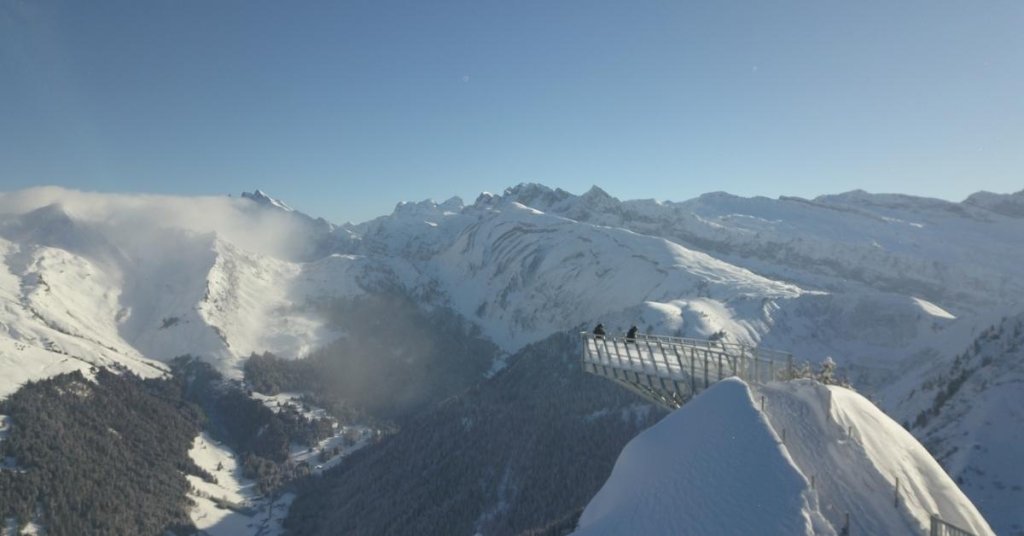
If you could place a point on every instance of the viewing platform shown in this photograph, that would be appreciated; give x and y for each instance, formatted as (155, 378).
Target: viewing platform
(670, 370)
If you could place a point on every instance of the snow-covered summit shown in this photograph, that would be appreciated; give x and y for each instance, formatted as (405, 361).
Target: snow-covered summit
(258, 196)
(722, 465)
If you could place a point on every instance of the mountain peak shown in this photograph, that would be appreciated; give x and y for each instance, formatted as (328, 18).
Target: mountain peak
(260, 197)
(537, 196)
(596, 192)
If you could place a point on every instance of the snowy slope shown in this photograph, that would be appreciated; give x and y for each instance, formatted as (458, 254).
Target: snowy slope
(101, 279)
(971, 415)
(250, 512)
(720, 465)
(523, 274)
(917, 246)
(713, 467)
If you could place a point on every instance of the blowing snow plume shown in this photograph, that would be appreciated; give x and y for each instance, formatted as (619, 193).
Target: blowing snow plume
(134, 217)
(103, 279)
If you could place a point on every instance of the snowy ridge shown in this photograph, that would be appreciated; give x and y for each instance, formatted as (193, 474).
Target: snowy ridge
(719, 465)
(970, 416)
(890, 242)
(523, 274)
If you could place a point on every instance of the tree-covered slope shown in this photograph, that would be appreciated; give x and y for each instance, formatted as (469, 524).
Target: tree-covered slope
(519, 452)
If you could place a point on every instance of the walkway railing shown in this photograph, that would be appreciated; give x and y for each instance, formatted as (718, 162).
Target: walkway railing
(941, 528)
(671, 370)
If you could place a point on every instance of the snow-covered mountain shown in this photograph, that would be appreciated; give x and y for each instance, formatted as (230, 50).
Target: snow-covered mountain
(580, 259)
(971, 416)
(890, 286)
(88, 279)
(813, 460)
(910, 245)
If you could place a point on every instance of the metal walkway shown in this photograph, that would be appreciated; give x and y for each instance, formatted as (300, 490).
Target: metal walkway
(670, 370)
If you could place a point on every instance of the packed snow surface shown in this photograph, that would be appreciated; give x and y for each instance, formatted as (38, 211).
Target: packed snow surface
(713, 467)
(721, 465)
(231, 505)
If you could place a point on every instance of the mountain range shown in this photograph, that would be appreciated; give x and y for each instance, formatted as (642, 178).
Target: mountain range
(918, 300)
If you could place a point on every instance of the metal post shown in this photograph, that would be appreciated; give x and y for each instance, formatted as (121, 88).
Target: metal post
(679, 359)
(619, 370)
(629, 359)
(608, 354)
(583, 351)
(668, 367)
(589, 343)
(654, 363)
(682, 368)
(650, 353)
(706, 369)
(693, 370)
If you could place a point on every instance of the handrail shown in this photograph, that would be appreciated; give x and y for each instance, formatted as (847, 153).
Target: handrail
(670, 370)
(943, 528)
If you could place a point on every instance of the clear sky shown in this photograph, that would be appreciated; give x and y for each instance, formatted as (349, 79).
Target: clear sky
(344, 108)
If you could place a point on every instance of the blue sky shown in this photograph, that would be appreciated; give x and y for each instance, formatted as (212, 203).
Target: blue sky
(344, 108)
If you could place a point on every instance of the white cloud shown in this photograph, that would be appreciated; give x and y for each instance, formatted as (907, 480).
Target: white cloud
(238, 220)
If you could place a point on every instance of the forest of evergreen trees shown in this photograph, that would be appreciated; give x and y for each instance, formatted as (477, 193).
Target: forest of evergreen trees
(261, 437)
(519, 456)
(99, 457)
(110, 456)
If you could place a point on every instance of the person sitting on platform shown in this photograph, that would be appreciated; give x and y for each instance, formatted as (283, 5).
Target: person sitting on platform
(599, 331)
(631, 335)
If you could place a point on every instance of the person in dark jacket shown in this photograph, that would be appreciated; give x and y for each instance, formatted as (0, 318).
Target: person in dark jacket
(631, 335)
(599, 331)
